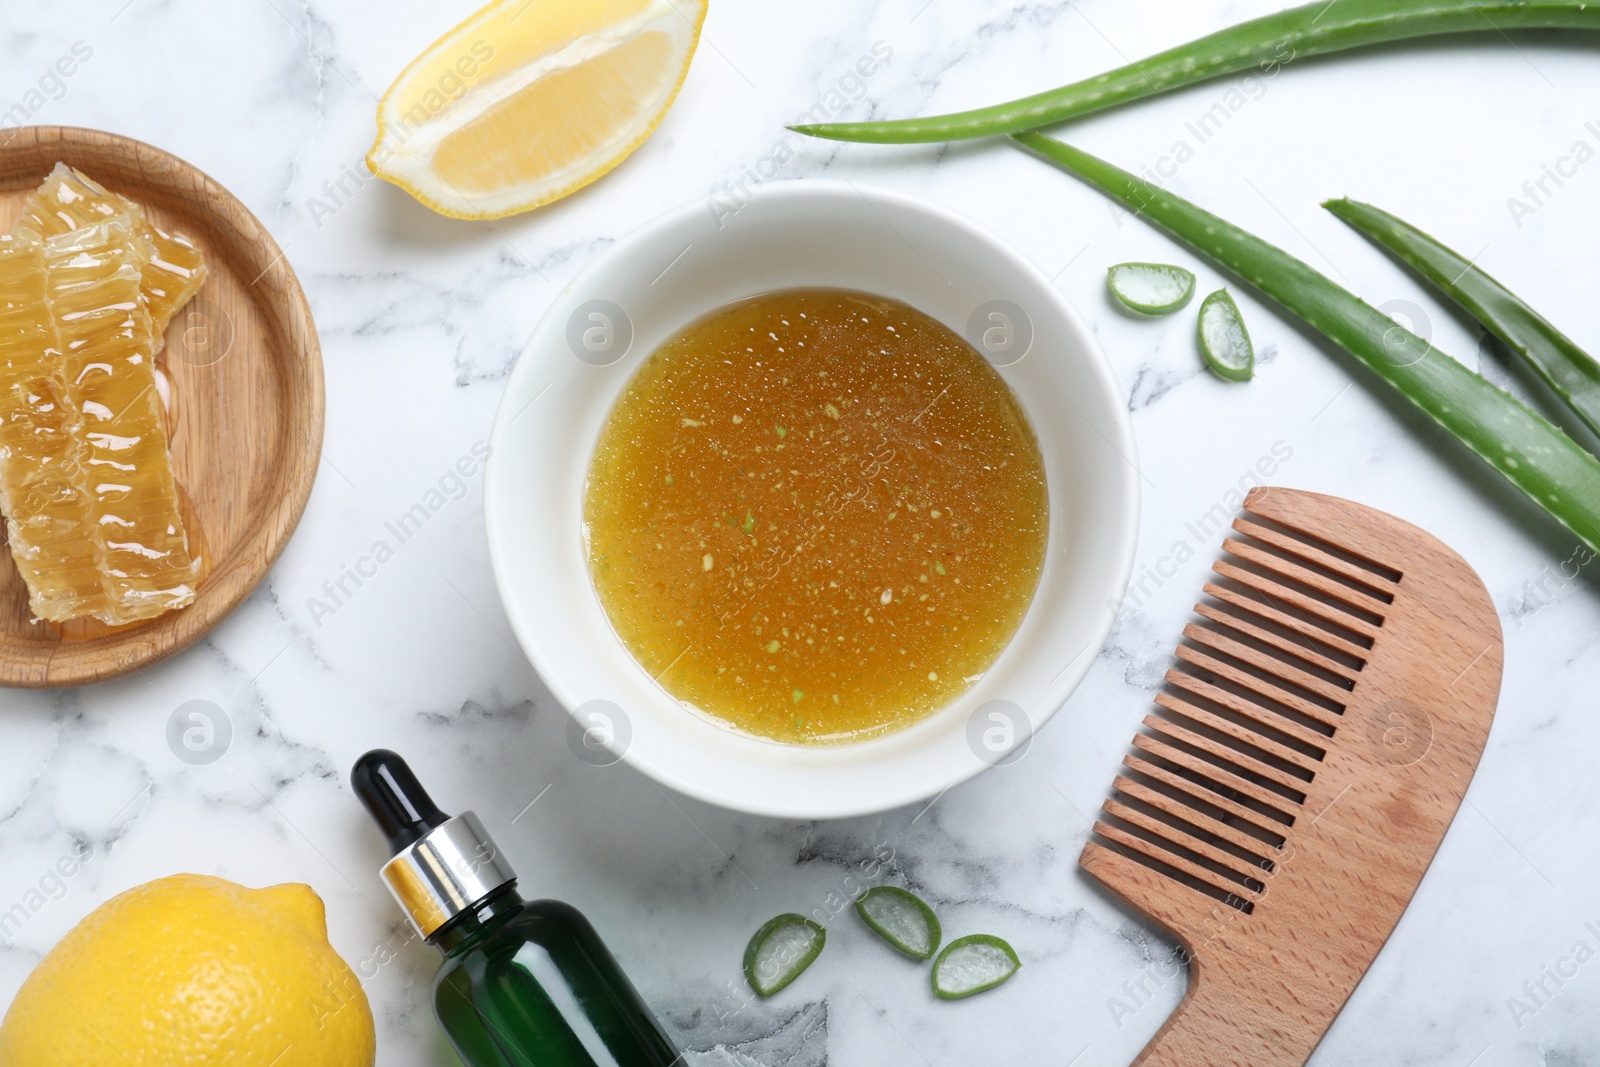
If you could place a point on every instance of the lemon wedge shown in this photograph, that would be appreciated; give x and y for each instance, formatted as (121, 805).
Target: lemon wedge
(529, 100)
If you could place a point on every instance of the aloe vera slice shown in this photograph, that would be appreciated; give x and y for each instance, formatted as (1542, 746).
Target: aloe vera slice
(969, 965)
(1527, 450)
(1224, 341)
(902, 919)
(1570, 372)
(1151, 288)
(1265, 46)
(783, 947)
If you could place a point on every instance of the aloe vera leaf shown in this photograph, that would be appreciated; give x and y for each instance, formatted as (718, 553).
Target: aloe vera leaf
(1266, 45)
(1224, 341)
(901, 918)
(969, 965)
(1528, 451)
(1151, 288)
(1570, 372)
(778, 952)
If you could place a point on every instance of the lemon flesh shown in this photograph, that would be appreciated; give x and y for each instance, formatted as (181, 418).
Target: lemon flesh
(193, 970)
(529, 100)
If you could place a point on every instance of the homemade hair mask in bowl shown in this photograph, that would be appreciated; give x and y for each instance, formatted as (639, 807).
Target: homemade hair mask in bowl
(914, 262)
(816, 515)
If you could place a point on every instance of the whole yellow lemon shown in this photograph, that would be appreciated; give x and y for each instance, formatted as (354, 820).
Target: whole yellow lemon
(193, 970)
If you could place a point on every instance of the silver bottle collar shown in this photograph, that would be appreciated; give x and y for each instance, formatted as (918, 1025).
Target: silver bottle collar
(446, 871)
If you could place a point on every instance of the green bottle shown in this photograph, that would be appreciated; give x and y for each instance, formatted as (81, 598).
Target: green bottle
(524, 983)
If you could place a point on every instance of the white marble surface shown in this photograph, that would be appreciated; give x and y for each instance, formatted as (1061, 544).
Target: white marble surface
(422, 316)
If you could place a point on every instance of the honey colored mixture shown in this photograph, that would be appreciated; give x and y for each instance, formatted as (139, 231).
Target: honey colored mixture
(817, 515)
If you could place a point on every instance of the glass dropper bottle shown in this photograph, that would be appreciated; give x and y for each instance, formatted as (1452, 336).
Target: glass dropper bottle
(523, 983)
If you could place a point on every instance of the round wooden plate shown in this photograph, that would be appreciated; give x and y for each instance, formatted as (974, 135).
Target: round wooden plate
(246, 408)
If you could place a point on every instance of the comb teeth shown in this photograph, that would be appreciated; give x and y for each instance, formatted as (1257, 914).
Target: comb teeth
(1222, 767)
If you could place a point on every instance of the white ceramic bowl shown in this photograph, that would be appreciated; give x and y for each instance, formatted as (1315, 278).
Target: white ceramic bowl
(668, 273)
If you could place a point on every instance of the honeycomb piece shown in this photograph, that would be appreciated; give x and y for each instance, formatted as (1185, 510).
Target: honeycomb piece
(49, 524)
(171, 267)
(85, 478)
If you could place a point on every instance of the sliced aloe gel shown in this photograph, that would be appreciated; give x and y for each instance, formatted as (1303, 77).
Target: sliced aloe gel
(1223, 339)
(902, 919)
(780, 950)
(1151, 288)
(971, 964)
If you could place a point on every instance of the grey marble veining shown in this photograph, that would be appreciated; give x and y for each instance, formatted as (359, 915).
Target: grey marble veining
(421, 317)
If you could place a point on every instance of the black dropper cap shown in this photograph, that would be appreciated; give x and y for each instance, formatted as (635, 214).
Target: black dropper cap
(395, 799)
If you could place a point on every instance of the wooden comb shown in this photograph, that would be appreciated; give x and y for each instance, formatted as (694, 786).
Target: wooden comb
(1305, 759)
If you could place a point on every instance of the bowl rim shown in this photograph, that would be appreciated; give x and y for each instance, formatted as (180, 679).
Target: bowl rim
(1125, 526)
